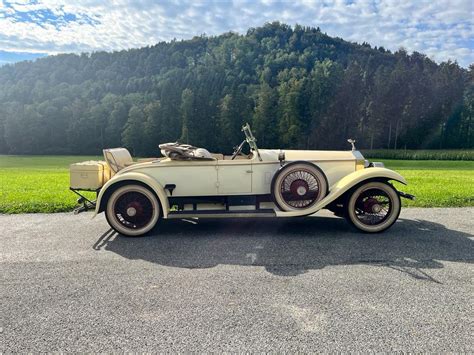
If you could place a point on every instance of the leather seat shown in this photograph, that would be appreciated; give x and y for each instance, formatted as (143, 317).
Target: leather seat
(117, 159)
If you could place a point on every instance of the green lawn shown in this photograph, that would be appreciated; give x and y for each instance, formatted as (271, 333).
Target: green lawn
(37, 183)
(41, 183)
(436, 183)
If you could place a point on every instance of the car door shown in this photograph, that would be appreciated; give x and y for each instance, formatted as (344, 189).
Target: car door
(191, 178)
(234, 177)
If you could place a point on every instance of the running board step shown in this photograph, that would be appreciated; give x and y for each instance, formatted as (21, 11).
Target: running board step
(222, 214)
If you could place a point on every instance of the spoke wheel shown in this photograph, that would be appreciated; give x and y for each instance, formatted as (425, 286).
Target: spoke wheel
(132, 210)
(373, 207)
(298, 187)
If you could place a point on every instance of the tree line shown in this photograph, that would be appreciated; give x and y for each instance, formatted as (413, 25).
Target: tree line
(298, 88)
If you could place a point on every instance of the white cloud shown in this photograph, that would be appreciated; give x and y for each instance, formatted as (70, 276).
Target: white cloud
(441, 29)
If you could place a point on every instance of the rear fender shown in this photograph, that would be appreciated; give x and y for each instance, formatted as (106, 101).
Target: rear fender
(345, 184)
(130, 178)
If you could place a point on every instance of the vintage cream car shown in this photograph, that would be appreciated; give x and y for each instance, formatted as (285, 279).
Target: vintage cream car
(190, 182)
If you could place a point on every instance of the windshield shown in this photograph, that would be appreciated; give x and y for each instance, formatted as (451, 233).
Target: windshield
(251, 140)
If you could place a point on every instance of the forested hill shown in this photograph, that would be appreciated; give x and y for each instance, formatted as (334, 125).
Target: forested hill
(298, 88)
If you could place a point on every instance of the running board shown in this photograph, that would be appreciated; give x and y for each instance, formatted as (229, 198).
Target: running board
(222, 214)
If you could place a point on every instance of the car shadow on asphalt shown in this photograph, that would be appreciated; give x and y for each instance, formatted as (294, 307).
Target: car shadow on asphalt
(289, 247)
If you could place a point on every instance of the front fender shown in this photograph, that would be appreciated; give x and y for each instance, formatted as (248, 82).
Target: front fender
(343, 185)
(142, 178)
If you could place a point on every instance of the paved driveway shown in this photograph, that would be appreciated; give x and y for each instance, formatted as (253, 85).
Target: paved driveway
(313, 284)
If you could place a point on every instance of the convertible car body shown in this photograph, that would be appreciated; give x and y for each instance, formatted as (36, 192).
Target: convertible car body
(190, 182)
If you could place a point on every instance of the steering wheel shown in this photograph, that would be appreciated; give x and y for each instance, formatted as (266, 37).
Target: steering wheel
(238, 150)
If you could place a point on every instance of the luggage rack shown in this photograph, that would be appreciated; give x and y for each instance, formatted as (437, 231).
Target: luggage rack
(84, 202)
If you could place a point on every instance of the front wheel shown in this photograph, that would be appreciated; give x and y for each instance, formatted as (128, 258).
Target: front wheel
(132, 210)
(373, 207)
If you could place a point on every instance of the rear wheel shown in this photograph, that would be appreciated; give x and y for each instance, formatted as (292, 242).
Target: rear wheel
(132, 210)
(373, 207)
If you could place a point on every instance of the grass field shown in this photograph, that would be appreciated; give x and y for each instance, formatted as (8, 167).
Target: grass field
(41, 183)
(436, 183)
(37, 183)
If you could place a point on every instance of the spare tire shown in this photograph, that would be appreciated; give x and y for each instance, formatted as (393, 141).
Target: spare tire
(298, 186)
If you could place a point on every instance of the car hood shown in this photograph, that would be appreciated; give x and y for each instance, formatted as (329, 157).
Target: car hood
(313, 155)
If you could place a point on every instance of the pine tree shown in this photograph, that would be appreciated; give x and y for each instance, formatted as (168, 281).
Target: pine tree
(132, 134)
(187, 113)
(264, 123)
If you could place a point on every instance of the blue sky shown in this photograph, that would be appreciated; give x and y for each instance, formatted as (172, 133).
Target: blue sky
(29, 29)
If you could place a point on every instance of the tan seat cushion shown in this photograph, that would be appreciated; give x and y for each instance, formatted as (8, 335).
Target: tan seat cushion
(117, 158)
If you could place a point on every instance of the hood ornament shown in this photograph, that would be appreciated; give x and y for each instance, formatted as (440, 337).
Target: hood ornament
(352, 143)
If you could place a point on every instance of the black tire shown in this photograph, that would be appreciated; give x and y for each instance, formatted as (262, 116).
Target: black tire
(298, 186)
(373, 207)
(132, 210)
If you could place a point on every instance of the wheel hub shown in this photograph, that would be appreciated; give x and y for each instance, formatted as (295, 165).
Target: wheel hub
(371, 205)
(299, 188)
(134, 209)
(376, 208)
(131, 211)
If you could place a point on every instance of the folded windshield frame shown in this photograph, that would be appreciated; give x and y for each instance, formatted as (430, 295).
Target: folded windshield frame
(251, 140)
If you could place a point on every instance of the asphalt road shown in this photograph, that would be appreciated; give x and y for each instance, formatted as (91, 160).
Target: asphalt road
(313, 284)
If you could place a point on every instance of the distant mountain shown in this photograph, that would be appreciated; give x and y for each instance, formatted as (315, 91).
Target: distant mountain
(298, 87)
